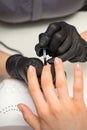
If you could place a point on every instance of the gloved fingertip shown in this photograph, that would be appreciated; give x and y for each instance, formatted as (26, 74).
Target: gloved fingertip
(52, 28)
(44, 41)
(38, 50)
(20, 107)
(50, 61)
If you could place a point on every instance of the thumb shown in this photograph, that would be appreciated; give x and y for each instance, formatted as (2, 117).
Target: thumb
(29, 116)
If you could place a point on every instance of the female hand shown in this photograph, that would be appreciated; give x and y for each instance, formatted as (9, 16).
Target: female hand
(56, 111)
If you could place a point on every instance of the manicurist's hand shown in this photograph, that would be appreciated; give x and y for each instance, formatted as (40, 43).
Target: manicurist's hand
(56, 112)
(62, 40)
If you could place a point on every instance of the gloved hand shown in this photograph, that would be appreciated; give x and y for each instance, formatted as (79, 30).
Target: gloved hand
(64, 41)
(17, 66)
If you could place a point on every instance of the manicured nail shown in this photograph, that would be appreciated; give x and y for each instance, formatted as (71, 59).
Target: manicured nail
(57, 60)
(31, 68)
(77, 67)
(20, 108)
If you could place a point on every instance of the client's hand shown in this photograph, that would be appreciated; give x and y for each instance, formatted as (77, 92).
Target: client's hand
(56, 112)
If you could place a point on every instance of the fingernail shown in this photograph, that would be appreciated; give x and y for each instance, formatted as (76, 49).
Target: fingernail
(20, 108)
(31, 68)
(77, 67)
(57, 60)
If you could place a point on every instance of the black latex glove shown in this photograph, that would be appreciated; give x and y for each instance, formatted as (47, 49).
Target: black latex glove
(64, 41)
(17, 66)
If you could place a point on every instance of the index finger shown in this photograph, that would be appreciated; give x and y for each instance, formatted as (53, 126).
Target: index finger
(34, 88)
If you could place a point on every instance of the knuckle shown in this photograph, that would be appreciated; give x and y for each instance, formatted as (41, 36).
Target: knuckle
(25, 117)
(47, 85)
(60, 83)
(42, 114)
(57, 36)
(32, 89)
(78, 88)
(55, 112)
(52, 26)
(78, 110)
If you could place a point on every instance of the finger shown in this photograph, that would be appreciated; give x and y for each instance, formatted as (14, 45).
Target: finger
(57, 40)
(44, 40)
(61, 83)
(48, 87)
(65, 45)
(29, 117)
(78, 84)
(52, 28)
(34, 88)
(39, 51)
(68, 55)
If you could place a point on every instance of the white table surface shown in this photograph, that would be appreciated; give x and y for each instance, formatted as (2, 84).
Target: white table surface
(24, 37)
